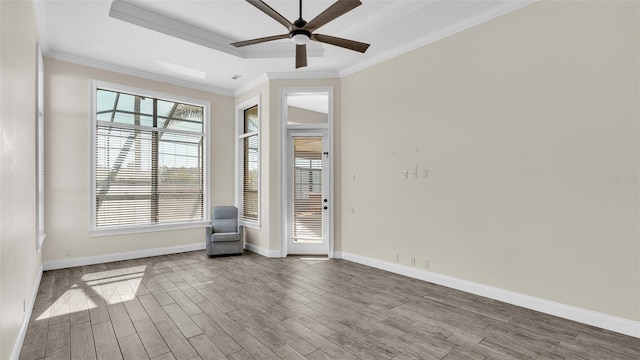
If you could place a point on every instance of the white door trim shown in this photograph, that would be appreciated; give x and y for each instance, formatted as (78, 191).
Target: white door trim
(284, 160)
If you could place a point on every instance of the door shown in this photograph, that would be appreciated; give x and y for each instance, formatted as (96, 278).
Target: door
(308, 190)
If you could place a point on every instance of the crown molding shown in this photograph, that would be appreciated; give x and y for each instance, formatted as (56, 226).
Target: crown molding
(460, 26)
(250, 85)
(137, 73)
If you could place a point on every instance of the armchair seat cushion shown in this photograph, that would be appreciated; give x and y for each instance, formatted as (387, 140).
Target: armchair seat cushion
(223, 237)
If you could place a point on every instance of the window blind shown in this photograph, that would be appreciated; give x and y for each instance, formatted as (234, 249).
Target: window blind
(250, 166)
(307, 189)
(149, 164)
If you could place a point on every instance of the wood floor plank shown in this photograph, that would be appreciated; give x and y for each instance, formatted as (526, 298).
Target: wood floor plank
(254, 347)
(135, 309)
(153, 342)
(222, 319)
(185, 303)
(151, 306)
(105, 340)
(167, 356)
(205, 348)
(120, 320)
(58, 341)
(97, 309)
(240, 355)
(182, 320)
(132, 348)
(35, 340)
(286, 352)
(263, 334)
(179, 345)
(220, 338)
(82, 345)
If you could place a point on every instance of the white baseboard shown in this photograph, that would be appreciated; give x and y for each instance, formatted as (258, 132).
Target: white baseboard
(99, 259)
(17, 347)
(604, 321)
(262, 251)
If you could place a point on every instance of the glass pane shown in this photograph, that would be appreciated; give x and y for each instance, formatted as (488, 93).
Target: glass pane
(307, 189)
(308, 108)
(105, 100)
(176, 116)
(123, 176)
(251, 120)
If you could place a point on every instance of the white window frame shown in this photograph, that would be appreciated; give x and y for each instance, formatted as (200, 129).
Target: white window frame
(240, 135)
(132, 229)
(40, 230)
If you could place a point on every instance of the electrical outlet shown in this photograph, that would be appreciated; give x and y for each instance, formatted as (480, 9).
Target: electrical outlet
(413, 261)
(415, 173)
(405, 174)
(69, 252)
(426, 263)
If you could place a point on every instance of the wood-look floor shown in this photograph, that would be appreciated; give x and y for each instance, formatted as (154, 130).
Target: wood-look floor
(189, 306)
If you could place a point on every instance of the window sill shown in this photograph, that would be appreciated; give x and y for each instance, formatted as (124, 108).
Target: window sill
(147, 228)
(251, 224)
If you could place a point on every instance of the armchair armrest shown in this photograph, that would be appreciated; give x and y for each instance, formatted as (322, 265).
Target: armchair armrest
(241, 232)
(209, 231)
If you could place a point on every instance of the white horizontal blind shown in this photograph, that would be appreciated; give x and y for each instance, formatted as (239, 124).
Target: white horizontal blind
(250, 166)
(307, 189)
(149, 161)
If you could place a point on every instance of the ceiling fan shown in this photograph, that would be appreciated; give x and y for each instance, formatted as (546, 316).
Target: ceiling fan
(301, 32)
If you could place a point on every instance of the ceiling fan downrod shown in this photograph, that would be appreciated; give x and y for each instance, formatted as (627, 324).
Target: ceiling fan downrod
(300, 23)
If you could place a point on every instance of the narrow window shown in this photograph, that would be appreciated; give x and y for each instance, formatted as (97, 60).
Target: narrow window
(248, 137)
(40, 151)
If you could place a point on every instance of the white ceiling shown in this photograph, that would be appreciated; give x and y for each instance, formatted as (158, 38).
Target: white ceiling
(83, 32)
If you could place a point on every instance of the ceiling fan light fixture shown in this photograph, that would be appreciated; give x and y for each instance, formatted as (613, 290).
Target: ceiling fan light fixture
(300, 37)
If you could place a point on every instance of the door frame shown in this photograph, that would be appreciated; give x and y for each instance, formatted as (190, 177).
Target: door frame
(284, 162)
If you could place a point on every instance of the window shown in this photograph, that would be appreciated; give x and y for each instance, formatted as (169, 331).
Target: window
(149, 159)
(249, 158)
(39, 150)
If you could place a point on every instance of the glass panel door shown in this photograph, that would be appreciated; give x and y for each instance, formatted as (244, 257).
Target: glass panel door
(308, 196)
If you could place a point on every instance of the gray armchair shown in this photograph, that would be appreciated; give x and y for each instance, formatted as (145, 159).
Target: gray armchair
(224, 236)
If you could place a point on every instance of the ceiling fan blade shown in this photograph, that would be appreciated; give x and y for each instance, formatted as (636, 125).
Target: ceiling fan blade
(334, 11)
(344, 43)
(272, 13)
(260, 40)
(301, 56)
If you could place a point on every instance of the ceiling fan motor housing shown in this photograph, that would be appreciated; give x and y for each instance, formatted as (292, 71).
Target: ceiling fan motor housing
(300, 36)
